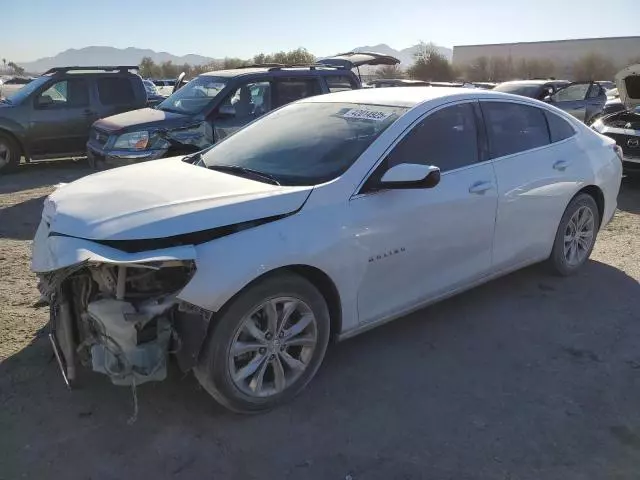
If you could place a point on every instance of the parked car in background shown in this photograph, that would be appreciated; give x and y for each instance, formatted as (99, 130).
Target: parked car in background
(165, 86)
(214, 105)
(485, 85)
(583, 100)
(153, 97)
(51, 116)
(9, 85)
(624, 125)
(397, 82)
(314, 223)
(606, 84)
(538, 89)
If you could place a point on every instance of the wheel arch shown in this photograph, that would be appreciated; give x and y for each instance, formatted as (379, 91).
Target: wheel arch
(15, 139)
(597, 194)
(196, 346)
(319, 279)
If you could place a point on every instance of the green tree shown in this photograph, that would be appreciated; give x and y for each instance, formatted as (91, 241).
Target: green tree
(430, 64)
(389, 71)
(148, 68)
(299, 56)
(17, 69)
(593, 66)
(477, 70)
(4, 63)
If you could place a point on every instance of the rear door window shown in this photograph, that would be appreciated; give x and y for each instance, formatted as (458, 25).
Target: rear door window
(339, 83)
(115, 91)
(514, 128)
(289, 90)
(559, 128)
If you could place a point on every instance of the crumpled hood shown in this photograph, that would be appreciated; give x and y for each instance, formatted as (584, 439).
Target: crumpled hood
(628, 83)
(143, 118)
(163, 198)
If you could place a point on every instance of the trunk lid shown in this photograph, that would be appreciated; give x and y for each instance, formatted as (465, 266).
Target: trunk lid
(628, 83)
(351, 60)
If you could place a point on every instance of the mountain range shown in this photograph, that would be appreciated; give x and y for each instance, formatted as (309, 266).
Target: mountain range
(132, 56)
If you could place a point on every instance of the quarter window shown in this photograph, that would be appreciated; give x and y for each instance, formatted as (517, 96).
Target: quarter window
(446, 139)
(513, 127)
(115, 91)
(558, 127)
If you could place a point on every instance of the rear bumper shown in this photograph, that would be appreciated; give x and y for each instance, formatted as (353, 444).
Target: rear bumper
(100, 158)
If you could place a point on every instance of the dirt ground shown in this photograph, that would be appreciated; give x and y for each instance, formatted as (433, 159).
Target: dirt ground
(528, 377)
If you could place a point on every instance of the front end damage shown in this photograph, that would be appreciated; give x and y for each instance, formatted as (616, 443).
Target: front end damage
(117, 319)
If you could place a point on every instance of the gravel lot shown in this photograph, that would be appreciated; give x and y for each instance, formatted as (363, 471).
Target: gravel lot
(528, 377)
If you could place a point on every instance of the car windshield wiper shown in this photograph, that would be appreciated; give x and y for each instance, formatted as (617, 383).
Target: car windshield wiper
(237, 169)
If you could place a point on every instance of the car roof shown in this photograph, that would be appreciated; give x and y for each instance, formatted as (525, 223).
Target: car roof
(400, 96)
(284, 71)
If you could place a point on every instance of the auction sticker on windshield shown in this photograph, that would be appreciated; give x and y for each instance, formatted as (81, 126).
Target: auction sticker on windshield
(363, 114)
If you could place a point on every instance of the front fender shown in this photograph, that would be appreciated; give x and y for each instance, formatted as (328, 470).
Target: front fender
(14, 128)
(227, 265)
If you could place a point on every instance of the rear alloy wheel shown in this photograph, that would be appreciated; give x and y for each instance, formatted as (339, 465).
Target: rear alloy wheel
(576, 235)
(266, 345)
(9, 154)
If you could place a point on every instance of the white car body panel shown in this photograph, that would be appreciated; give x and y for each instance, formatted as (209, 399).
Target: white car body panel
(452, 238)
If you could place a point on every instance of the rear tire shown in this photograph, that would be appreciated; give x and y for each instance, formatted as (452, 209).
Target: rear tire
(576, 235)
(282, 355)
(9, 154)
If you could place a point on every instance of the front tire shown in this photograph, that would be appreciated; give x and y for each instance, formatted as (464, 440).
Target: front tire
(266, 345)
(576, 235)
(9, 154)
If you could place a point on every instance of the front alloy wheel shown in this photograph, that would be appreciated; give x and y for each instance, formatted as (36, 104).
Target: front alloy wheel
(266, 344)
(273, 346)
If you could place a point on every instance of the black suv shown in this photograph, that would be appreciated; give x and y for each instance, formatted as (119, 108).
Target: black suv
(216, 104)
(51, 116)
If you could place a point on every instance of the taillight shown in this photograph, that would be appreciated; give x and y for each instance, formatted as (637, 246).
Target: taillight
(618, 150)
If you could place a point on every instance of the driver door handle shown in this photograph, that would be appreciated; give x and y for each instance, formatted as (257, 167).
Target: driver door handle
(480, 187)
(561, 165)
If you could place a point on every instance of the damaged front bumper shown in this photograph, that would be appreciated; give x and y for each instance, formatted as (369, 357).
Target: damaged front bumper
(118, 313)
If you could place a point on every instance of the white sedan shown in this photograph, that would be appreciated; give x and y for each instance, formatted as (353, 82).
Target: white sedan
(323, 219)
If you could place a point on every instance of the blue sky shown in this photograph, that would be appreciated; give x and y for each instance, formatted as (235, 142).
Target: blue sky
(244, 27)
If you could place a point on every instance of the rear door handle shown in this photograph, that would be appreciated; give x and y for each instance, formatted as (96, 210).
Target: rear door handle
(480, 187)
(561, 165)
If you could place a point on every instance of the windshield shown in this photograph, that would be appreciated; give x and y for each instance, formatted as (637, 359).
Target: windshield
(304, 143)
(24, 92)
(195, 95)
(519, 89)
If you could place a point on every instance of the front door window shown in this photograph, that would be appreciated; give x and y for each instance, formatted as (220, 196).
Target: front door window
(242, 106)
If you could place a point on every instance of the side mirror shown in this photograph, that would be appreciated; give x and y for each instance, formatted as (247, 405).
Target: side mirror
(410, 175)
